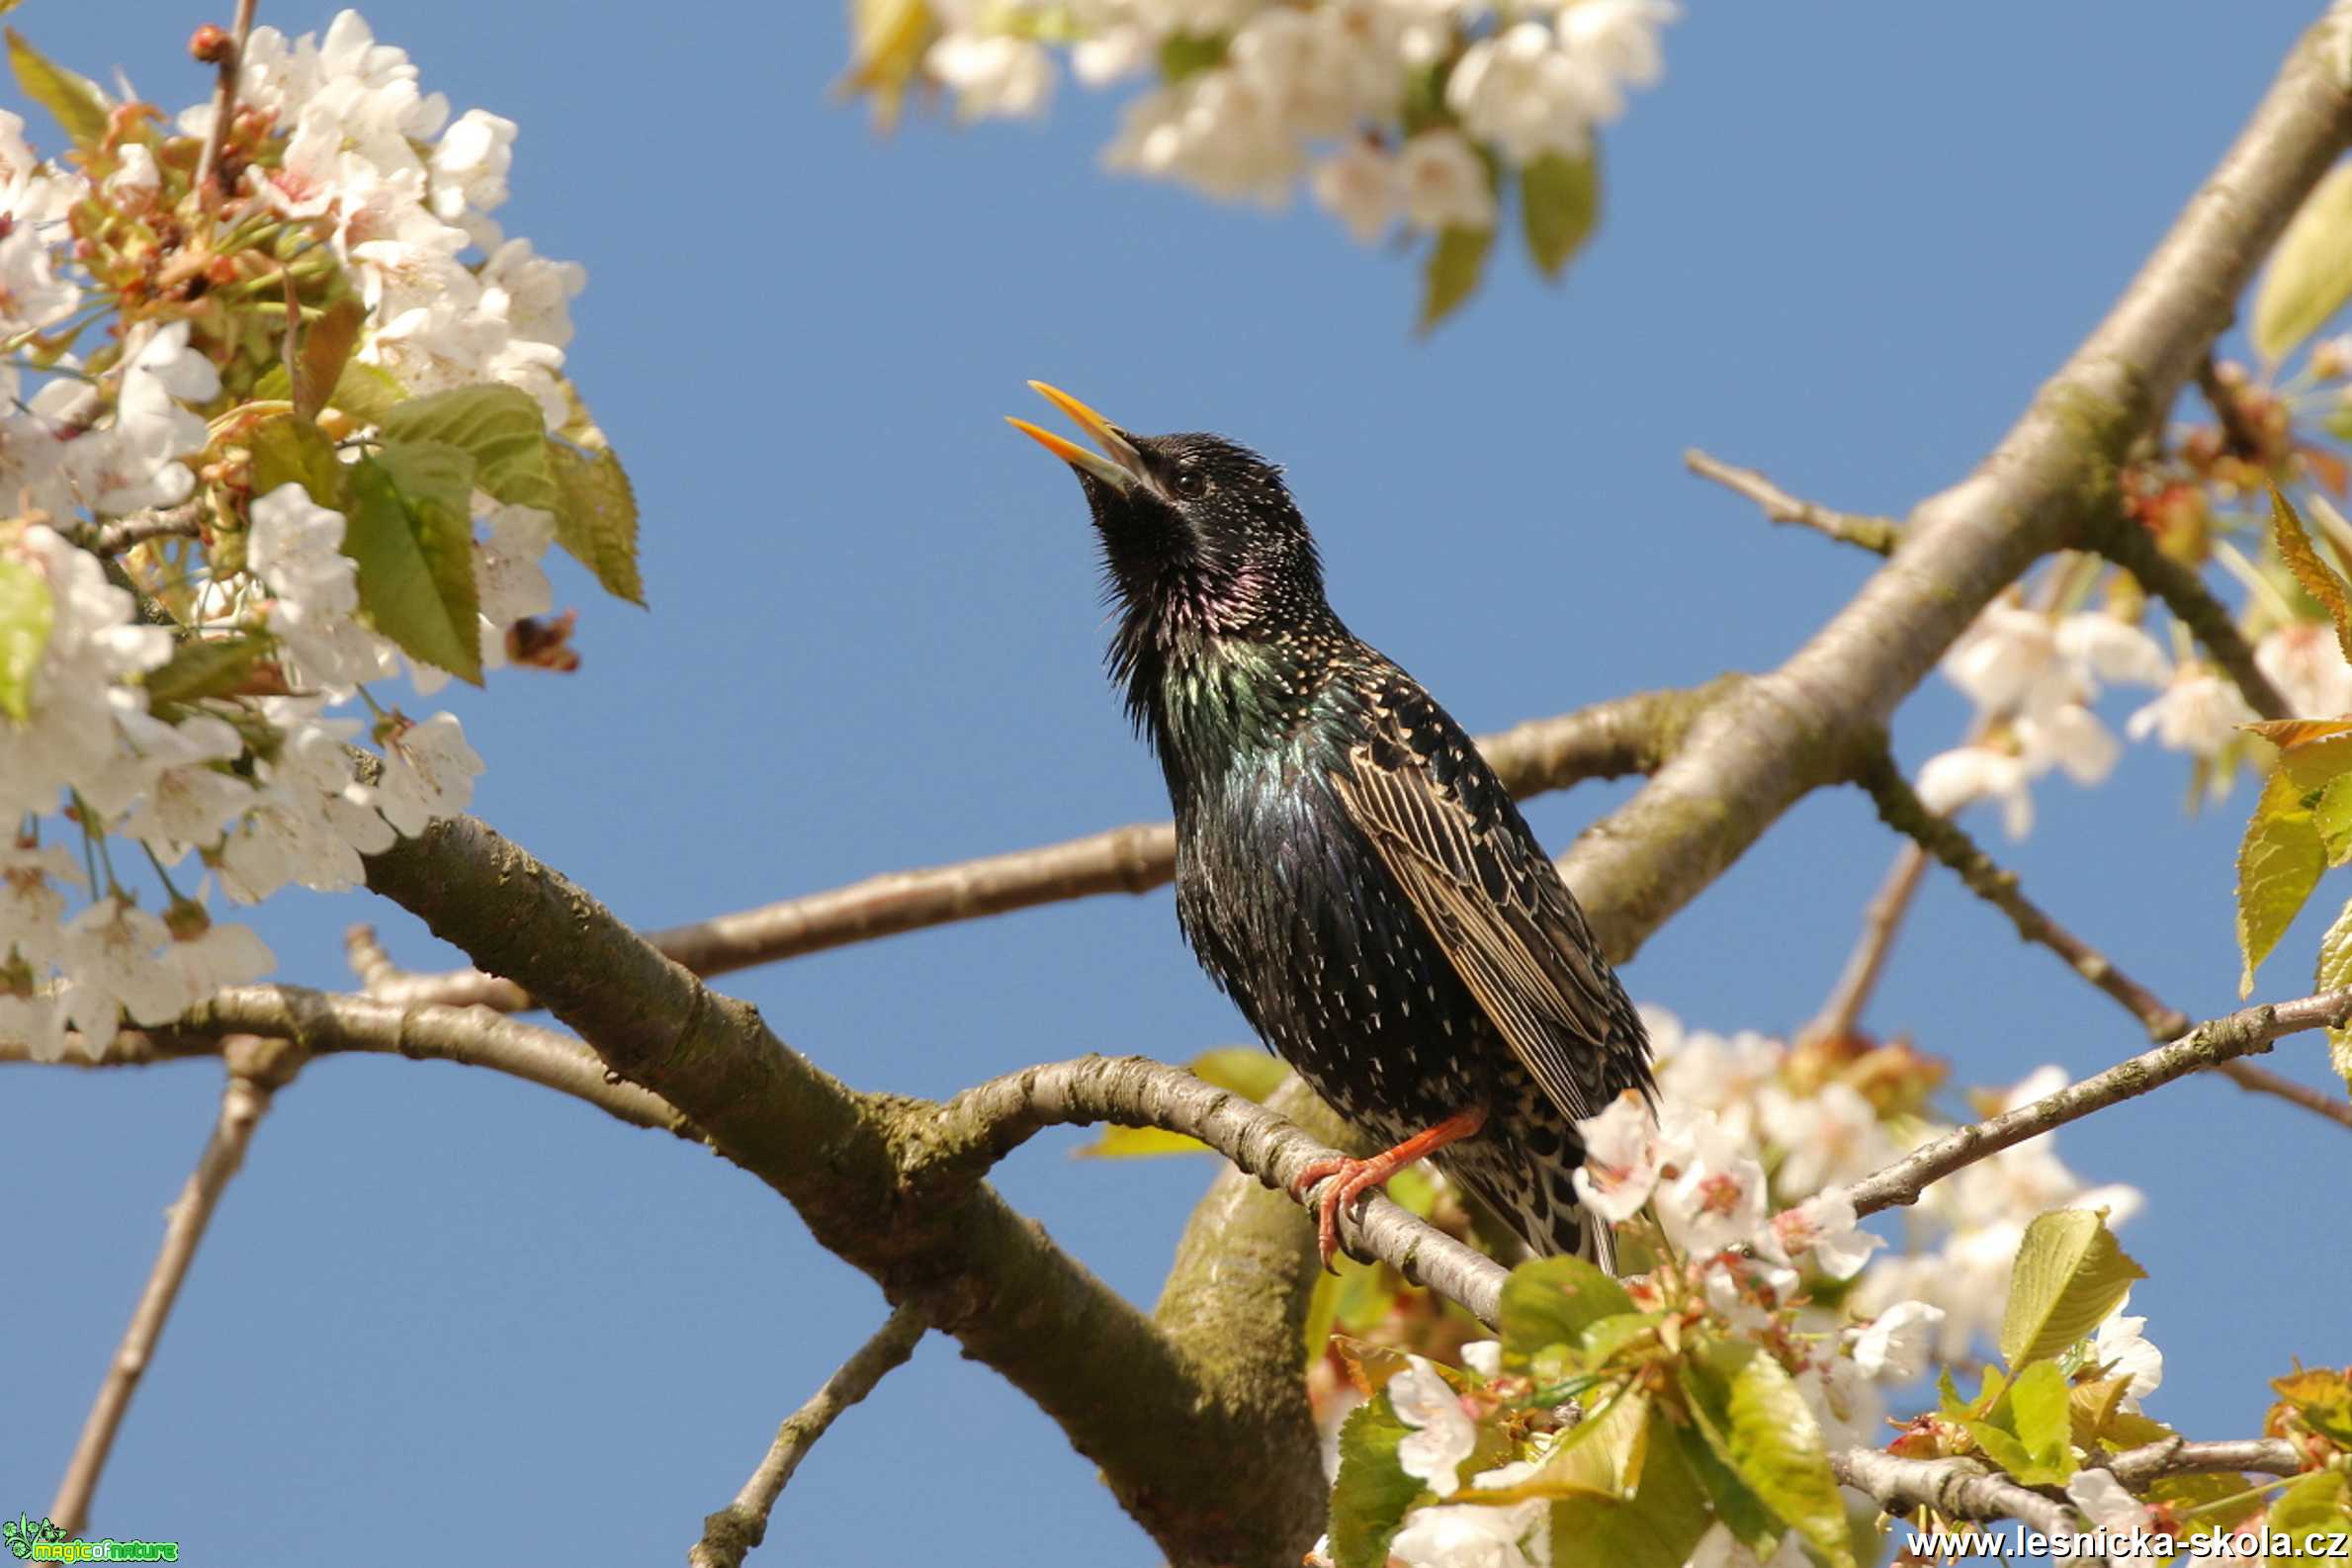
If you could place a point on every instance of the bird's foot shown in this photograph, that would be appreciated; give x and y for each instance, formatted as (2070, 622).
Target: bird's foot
(1352, 1179)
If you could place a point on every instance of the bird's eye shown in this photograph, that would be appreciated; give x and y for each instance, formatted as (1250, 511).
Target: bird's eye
(1190, 484)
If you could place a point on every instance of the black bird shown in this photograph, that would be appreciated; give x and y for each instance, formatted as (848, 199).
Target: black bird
(1348, 868)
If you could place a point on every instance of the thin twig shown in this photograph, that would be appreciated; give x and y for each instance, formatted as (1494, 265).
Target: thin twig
(243, 1101)
(1878, 535)
(730, 1533)
(224, 97)
(2123, 540)
(1881, 923)
(2262, 1081)
(2218, 1040)
(184, 521)
(1606, 740)
(1904, 811)
(2242, 438)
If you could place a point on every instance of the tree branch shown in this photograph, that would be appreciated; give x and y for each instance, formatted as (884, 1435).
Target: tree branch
(984, 1123)
(2261, 1081)
(1881, 923)
(232, 65)
(1878, 535)
(730, 1533)
(1606, 740)
(253, 1077)
(2123, 540)
(1954, 1488)
(2240, 1034)
(2052, 480)
(878, 1182)
(2137, 1468)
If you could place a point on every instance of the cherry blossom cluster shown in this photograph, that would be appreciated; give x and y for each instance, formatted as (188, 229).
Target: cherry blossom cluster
(1390, 110)
(187, 657)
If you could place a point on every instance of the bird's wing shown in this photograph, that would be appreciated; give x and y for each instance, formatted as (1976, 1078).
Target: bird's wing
(1471, 869)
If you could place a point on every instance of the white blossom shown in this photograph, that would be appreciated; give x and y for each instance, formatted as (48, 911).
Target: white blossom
(992, 73)
(1715, 1198)
(2305, 661)
(1830, 1135)
(1953, 779)
(2122, 1349)
(111, 968)
(2197, 713)
(1444, 183)
(1472, 1535)
(1360, 186)
(1620, 36)
(1825, 1227)
(2106, 1504)
(1442, 1435)
(1895, 1344)
(32, 904)
(1526, 95)
(1620, 1166)
(428, 772)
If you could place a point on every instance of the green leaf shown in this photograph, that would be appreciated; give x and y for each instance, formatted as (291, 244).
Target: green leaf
(367, 392)
(1550, 1301)
(1183, 54)
(2278, 865)
(499, 426)
(2041, 1415)
(26, 613)
(2319, 579)
(2068, 1276)
(2312, 1506)
(2334, 973)
(288, 448)
(210, 666)
(2323, 1397)
(2309, 275)
(1603, 1457)
(1559, 202)
(1369, 1499)
(2332, 816)
(597, 522)
(73, 99)
(1456, 262)
(411, 529)
(1777, 1450)
(1659, 1528)
(1706, 1445)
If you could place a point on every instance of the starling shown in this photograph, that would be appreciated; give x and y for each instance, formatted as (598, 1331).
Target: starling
(1348, 868)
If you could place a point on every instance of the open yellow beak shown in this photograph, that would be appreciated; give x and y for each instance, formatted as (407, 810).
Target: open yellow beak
(1119, 465)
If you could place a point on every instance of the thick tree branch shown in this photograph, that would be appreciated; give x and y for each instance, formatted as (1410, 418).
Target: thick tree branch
(730, 1533)
(2219, 1040)
(873, 1179)
(1953, 1487)
(254, 1075)
(2049, 483)
(1878, 535)
(1609, 739)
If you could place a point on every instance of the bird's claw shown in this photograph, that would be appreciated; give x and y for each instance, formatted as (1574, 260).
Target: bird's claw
(1353, 1178)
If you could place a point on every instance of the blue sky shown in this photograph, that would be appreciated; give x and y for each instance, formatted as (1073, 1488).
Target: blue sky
(1843, 244)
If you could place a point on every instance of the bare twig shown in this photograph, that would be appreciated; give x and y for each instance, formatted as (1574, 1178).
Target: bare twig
(730, 1533)
(1904, 811)
(1878, 535)
(224, 96)
(1953, 1487)
(244, 1098)
(2123, 540)
(2219, 1040)
(2237, 430)
(1606, 740)
(2137, 1468)
(995, 1118)
(184, 521)
(1881, 923)
(2262, 1081)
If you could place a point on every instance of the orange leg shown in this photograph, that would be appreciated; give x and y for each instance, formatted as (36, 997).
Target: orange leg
(1358, 1177)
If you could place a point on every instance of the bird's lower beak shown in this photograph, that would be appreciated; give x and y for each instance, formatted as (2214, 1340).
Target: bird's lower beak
(1120, 466)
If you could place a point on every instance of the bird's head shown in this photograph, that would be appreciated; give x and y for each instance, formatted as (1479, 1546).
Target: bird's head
(1199, 533)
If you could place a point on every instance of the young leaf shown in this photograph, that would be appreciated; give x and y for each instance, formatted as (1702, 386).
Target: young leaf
(597, 522)
(211, 666)
(326, 349)
(2312, 1514)
(411, 529)
(2309, 274)
(27, 613)
(2040, 1416)
(1559, 203)
(1603, 1457)
(2069, 1276)
(2334, 973)
(2278, 865)
(499, 426)
(289, 448)
(1551, 1301)
(1777, 1450)
(1659, 1528)
(1456, 261)
(367, 392)
(2319, 579)
(75, 99)
(1369, 1499)
(2323, 1397)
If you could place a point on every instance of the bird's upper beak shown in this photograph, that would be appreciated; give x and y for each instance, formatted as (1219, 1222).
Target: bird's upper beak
(1120, 466)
